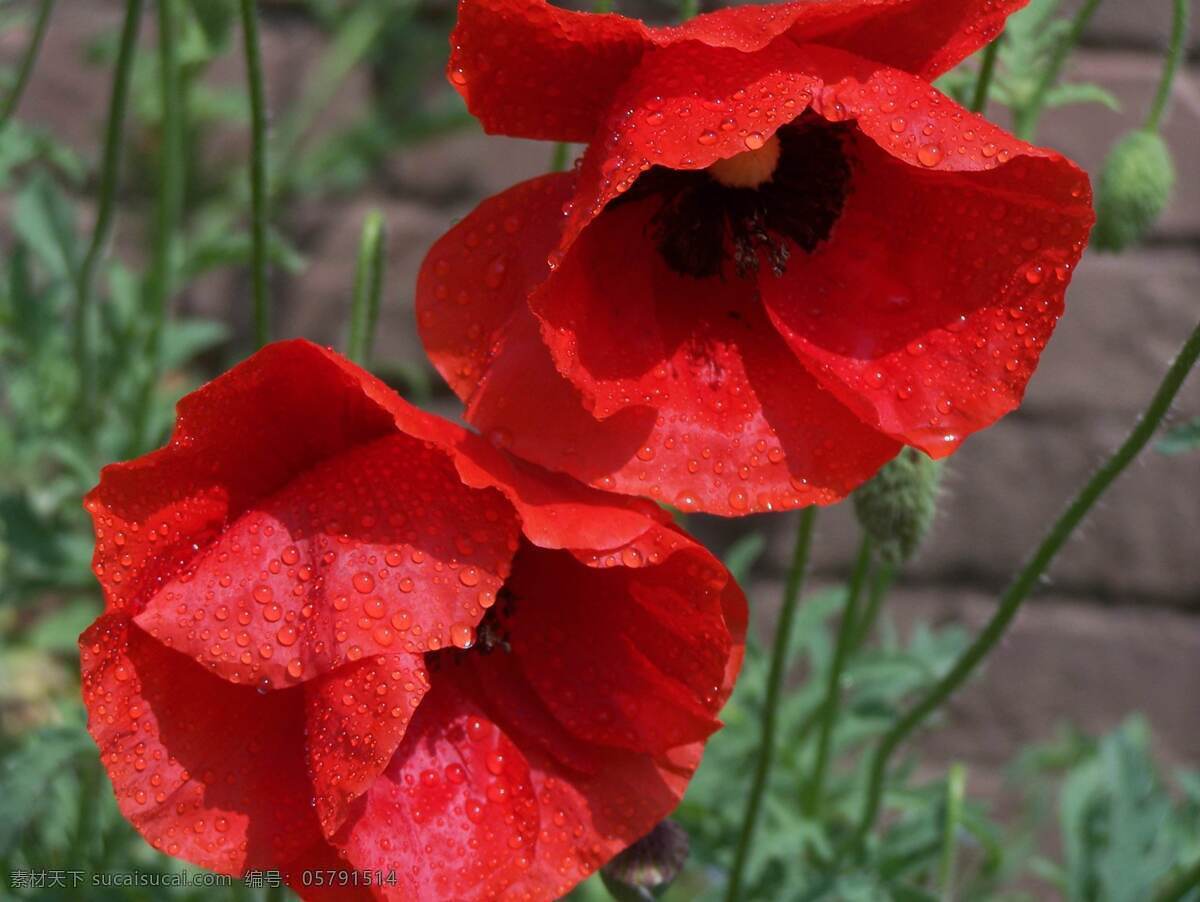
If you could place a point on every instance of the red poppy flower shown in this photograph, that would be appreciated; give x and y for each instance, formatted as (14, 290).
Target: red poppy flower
(348, 640)
(782, 256)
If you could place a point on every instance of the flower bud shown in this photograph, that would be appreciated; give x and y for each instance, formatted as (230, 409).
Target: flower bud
(648, 866)
(896, 507)
(1135, 186)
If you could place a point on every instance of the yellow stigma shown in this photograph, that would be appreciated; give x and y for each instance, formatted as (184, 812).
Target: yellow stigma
(750, 168)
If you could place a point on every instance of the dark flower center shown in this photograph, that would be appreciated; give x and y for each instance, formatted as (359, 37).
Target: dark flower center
(750, 207)
(491, 635)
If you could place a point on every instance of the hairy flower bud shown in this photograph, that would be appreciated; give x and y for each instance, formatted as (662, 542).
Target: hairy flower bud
(1135, 186)
(896, 507)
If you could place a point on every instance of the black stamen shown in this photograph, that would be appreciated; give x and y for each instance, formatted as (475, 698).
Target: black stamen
(492, 634)
(702, 223)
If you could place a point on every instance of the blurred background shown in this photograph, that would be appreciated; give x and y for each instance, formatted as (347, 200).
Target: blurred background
(363, 120)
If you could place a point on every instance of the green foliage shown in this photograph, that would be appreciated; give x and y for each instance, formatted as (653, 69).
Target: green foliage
(1124, 829)
(1182, 438)
(1135, 186)
(1031, 39)
(791, 855)
(48, 459)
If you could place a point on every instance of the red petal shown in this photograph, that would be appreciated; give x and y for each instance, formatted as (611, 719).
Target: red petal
(637, 661)
(481, 270)
(378, 549)
(206, 771)
(928, 309)
(762, 436)
(529, 69)
(533, 70)
(721, 102)
(555, 510)
(472, 284)
(238, 439)
(593, 801)
(356, 717)
(493, 793)
(924, 37)
(767, 414)
(454, 815)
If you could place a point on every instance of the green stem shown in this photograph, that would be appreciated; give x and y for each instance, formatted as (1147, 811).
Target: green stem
(1027, 117)
(987, 68)
(1179, 28)
(26, 67)
(779, 656)
(1181, 885)
(558, 157)
(368, 290)
(170, 196)
(956, 787)
(1025, 580)
(258, 173)
(832, 703)
(881, 582)
(82, 837)
(110, 166)
(688, 9)
(170, 205)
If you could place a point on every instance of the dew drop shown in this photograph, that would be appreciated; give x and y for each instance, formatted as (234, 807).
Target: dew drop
(929, 155)
(462, 635)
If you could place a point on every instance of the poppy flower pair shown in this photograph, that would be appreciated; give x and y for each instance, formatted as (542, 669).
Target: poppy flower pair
(352, 642)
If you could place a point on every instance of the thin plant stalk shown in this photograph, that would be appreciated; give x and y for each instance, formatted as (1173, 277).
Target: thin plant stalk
(1023, 583)
(110, 166)
(169, 209)
(1026, 118)
(25, 69)
(770, 712)
(368, 290)
(956, 789)
(258, 173)
(881, 582)
(559, 156)
(1179, 29)
(830, 707)
(987, 68)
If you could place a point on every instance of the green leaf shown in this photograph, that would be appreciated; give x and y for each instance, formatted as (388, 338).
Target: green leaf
(186, 338)
(214, 19)
(1084, 92)
(744, 553)
(59, 631)
(28, 773)
(1181, 438)
(29, 319)
(22, 145)
(44, 219)
(217, 248)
